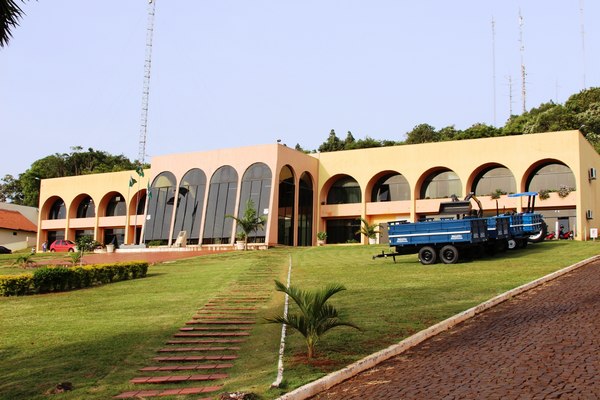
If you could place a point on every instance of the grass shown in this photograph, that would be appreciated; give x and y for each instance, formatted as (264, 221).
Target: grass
(98, 338)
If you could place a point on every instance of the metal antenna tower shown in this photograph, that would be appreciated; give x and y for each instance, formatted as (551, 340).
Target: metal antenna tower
(494, 66)
(146, 88)
(582, 39)
(510, 97)
(523, 73)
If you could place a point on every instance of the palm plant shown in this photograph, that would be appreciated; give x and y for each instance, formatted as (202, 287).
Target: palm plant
(315, 316)
(10, 13)
(250, 222)
(369, 230)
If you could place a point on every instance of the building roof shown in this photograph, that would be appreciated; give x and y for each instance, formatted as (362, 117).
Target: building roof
(14, 220)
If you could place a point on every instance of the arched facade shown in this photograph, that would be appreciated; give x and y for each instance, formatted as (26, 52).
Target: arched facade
(302, 194)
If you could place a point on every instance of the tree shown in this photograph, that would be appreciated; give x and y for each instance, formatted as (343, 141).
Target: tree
(349, 141)
(422, 133)
(10, 190)
(315, 316)
(26, 189)
(333, 143)
(10, 13)
(250, 222)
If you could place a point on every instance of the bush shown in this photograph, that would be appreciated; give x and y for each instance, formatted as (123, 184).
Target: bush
(55, 279)
(16, 285)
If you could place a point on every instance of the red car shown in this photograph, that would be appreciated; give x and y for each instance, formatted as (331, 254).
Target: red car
(63, 245)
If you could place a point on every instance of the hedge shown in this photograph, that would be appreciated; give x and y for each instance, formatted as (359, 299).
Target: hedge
(59, 279)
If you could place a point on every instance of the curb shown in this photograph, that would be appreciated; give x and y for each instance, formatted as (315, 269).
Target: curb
(336, 377)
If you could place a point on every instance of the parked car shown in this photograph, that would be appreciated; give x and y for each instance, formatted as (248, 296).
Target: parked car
(63, 245)
(4, 250)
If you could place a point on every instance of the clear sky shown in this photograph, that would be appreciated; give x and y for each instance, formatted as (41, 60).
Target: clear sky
(235, 73)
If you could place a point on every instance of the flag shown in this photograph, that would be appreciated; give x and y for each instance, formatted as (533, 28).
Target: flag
(132, 181)
(140, 170)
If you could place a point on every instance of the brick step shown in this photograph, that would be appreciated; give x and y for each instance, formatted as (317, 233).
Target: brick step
(185, 367)
(225, 321)
(212, 328)
(206, 341)
(211, 334)
(221, 311)
(140, 394)
(177, 378)
(212, 318)
(195, 358)
(190, 349)
(237, 300)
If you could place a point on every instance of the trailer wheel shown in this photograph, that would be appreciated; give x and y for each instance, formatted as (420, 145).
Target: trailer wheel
(427, 255)
(449, 254)
(511, 244)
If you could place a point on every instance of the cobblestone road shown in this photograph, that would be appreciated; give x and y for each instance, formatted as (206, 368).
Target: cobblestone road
(543, 344)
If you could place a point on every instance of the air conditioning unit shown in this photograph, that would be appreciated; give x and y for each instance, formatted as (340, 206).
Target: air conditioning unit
(589, 214)
(592, 174)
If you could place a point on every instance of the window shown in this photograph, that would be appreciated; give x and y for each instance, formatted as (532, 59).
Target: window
(116, 206)
(256, 186)
(285, 215)
(222, 194)
(391, 187)
(344, 191)
(190, 205)
(160, 208)
(305, 210)
(441, 184)
(492, 179)
(86, 208)
(58, 210)
(551, 177)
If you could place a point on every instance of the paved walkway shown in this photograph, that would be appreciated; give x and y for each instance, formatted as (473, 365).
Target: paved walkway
(544, 344)
(197, 357)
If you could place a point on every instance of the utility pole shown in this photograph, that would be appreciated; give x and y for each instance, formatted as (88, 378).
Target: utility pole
(146, 87)
(494, 66)
(523, 73)
(582, 39)
(144, 114)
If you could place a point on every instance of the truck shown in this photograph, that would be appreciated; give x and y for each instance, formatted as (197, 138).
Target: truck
(526, 226)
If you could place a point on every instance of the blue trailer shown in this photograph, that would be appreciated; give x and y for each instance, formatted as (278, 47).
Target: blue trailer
(442, 240)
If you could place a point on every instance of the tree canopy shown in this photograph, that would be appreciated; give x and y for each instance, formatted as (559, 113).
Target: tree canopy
(580, 111)
(25, 189)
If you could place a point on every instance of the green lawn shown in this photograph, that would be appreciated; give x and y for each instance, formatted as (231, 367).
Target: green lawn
(97, 338)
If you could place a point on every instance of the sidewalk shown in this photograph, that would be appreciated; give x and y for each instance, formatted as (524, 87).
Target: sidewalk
(543, 344)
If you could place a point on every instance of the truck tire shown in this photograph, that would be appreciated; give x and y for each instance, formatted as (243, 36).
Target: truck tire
(539, 237)
(449, 254)
(511, 244)
(427, 255)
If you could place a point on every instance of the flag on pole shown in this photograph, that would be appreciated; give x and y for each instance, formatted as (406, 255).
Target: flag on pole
(140, 170)
(132, 181)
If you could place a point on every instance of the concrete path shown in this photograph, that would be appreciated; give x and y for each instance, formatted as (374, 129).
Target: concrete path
(543, 344)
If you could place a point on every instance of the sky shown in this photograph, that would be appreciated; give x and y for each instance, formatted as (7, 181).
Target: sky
(240, 73)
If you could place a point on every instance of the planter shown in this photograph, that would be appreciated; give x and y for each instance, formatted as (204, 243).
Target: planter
(373, 240)
(110, 248)
(320, 242)
(240, 245)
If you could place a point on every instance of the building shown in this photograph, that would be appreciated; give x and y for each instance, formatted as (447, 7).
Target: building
(18, 227)
(301, 194)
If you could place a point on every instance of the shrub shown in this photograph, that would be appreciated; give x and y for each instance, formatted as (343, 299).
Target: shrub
(54, 279)
(16, 285)
(544, 194)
